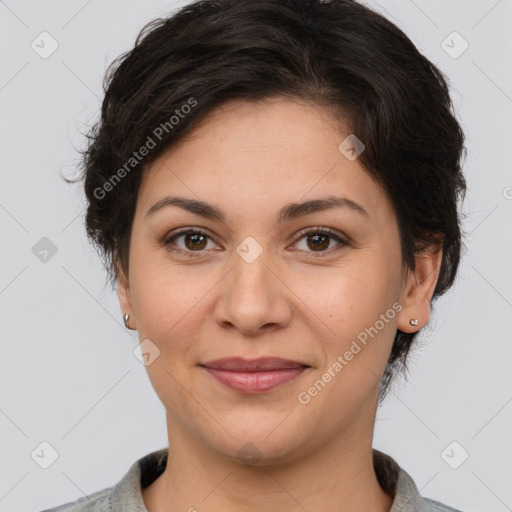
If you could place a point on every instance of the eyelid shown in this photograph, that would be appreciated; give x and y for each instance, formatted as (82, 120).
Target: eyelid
(342, 239)
(324, 230)
(185, 231)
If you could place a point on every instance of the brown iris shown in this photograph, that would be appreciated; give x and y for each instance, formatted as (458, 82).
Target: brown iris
(316, 237)
(197, 240)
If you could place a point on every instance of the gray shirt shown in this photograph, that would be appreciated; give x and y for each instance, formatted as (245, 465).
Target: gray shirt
(126, 495)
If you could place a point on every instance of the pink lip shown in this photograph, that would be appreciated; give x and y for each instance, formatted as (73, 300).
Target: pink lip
(256, 375)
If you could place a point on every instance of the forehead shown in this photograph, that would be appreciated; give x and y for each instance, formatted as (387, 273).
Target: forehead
(258, 155)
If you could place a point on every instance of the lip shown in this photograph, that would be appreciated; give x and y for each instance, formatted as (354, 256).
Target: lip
(253, 376)
(240, 364)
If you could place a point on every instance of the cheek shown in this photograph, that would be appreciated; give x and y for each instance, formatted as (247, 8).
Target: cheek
(352, 293)
(171, 305)
(351, 310)
(167, 306)
(168, 312)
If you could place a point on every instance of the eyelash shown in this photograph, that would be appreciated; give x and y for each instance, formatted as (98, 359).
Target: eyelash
(317, 230)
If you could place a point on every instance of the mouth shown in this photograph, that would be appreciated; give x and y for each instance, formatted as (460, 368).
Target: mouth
(256, 375)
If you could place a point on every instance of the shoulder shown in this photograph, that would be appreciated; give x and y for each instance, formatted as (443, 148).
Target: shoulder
(435, 506)
(97, 502)
(396, 482)
(125, 494)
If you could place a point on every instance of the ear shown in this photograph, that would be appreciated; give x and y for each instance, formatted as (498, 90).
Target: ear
(123, 294)
(418, 289)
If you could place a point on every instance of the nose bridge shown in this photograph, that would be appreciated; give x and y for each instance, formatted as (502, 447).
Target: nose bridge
(252, 295)
(250, 276)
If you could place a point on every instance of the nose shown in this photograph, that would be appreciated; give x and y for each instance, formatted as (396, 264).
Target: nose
(253, 298)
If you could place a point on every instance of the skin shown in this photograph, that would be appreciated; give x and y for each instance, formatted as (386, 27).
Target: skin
(295, 301)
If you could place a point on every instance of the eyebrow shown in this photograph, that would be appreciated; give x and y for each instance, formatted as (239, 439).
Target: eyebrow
(289, 212)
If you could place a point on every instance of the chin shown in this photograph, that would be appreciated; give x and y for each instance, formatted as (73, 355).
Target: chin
(259, 446)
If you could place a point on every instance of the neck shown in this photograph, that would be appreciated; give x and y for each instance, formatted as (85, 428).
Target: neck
(339, 475)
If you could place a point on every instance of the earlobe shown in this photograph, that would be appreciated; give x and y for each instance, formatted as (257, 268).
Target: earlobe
(419, 290)
(123, 294)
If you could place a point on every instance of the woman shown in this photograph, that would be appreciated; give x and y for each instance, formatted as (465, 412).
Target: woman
(274, 187)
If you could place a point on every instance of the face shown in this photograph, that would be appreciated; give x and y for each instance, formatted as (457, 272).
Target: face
(264, 279)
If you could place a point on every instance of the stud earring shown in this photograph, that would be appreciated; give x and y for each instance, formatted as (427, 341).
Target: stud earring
(126, 318)
(414, 321)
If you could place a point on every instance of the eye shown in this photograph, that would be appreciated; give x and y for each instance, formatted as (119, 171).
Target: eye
(194, 240)
(319, 239)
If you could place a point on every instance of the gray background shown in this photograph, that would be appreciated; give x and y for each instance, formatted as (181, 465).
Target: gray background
(67, 372)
